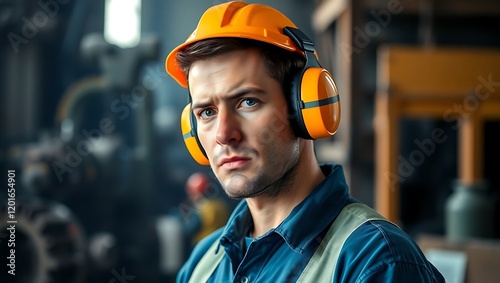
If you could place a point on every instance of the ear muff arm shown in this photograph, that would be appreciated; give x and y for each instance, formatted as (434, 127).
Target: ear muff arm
(305, 44)
(299, 38)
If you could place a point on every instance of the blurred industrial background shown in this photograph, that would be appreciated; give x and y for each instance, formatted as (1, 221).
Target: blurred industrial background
(89, 121)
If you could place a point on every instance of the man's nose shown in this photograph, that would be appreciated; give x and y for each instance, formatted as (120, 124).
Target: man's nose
(228, 128)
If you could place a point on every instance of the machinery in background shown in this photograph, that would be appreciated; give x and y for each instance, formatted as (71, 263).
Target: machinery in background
(84, 191)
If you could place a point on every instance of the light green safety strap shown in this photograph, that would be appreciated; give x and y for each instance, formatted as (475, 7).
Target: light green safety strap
(321, 266)
(207, 264)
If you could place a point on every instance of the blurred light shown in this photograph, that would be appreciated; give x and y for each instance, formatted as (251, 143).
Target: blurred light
(122, 22)
(165, 119)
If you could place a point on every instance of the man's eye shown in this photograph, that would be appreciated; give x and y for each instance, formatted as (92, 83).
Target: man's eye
(206, 113)
(249, 102)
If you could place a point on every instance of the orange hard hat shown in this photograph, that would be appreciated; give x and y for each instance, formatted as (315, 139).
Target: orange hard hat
(236, 19)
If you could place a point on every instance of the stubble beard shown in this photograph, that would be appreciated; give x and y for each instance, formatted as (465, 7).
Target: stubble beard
(270, 184)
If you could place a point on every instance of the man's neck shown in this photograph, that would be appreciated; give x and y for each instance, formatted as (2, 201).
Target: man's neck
(269, 211)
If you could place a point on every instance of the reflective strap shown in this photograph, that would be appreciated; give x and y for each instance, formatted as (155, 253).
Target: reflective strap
(207, 264)
(321, 266)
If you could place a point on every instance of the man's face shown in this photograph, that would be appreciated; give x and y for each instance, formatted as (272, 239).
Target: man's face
(242, 123)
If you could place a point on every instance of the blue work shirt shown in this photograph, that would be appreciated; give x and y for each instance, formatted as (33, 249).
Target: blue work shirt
(377, 251)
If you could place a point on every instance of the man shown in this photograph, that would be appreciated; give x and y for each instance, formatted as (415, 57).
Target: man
(258, 100)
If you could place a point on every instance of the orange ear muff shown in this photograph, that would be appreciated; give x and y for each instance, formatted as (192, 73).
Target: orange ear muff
(188, 128)
(321, 105)
(313, 99)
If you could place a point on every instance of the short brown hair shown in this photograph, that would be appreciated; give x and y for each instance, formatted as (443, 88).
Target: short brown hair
(280, 63)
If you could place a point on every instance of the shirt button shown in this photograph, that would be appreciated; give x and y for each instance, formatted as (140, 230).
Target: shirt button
(244, 279)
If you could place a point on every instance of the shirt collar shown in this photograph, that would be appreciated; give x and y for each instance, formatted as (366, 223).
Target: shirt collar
(306, 221)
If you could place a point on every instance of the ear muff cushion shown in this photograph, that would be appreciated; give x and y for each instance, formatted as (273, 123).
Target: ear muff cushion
(191, 141)
(295, 108)
(321, 105)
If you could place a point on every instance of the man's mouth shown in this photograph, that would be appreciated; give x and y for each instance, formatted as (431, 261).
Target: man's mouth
(233, 163)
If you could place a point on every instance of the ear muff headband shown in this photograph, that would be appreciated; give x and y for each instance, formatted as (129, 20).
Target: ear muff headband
(314, 99)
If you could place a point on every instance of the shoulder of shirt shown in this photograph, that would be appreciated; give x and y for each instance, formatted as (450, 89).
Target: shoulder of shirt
(386, 238)
(377, 243)
(198, 251)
